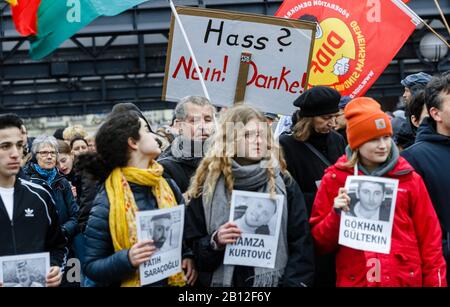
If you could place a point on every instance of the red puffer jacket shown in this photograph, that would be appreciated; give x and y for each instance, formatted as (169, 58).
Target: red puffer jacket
(416, 257)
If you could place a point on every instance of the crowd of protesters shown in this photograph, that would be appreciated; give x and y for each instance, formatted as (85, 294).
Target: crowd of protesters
(86, 190)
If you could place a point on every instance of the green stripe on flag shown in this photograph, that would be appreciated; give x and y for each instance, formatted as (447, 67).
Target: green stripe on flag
(58, 20)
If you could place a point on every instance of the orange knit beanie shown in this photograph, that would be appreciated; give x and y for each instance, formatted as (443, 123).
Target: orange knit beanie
(365, 121)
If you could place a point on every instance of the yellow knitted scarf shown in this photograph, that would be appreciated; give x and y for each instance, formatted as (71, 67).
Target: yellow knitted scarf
(123, 208)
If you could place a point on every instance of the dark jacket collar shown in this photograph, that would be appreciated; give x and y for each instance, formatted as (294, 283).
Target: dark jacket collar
(427, 133)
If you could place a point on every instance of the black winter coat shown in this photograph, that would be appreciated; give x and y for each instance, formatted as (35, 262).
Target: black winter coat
(430, 157)
(180, 170)
(300, 267)
(89, 188)
(305, 166)
(66, 205)
(102, 264)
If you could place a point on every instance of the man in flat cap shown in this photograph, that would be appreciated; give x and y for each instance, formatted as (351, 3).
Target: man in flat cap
(313, 146)
(413, 84)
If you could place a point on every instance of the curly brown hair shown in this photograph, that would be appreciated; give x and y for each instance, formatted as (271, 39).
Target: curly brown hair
(112, 145)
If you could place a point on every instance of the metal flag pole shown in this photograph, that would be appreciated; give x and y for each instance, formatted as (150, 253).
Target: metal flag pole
(197, 68)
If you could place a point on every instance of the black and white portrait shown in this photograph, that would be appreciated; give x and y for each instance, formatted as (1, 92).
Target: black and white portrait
(256, 215)
(25, 270)
(371, 199)
(164, 229)
(367, 225)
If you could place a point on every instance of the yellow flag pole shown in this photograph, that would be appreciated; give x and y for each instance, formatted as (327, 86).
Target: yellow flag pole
(435, 33)
(12, 2)
(416, 18)
(442, 15)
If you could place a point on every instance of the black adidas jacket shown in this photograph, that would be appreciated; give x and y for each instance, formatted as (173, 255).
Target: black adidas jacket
(34, 227)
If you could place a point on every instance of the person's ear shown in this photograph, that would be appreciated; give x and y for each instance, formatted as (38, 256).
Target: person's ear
(435, 113)
(132, 143)
(415, 121)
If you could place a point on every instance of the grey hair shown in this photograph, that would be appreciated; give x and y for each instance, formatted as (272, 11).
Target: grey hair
(44, 140)
(180, 110)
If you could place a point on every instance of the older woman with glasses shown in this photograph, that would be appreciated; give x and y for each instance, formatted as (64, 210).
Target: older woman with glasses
(45, 173)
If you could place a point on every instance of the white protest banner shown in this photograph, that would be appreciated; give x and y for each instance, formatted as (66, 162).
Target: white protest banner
(258, 216)
(368, 224)
(165, 228)
(27, 270)
(281, 52)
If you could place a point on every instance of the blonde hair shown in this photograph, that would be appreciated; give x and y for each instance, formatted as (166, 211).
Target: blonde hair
(354, 159)
(74, 131)
(303, 128)
(90, 138)
(218, 159)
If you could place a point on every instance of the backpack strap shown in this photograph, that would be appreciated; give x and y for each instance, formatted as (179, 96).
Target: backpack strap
(318, 154)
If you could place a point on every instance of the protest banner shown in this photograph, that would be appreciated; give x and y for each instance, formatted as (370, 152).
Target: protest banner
(368, 224)
(277, 73)
(165, 228)
(355, 41)
(258, 216)
(26, 270)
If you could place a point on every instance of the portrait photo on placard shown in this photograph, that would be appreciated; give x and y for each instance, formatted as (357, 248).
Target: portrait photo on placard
(255, 215)
(164, 229)
(370, 198)
(24, 270)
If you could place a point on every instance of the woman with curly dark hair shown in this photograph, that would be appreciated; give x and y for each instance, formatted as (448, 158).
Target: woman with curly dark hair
(125, 161)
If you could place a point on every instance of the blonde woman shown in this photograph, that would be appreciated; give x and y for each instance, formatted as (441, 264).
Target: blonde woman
(245, 157)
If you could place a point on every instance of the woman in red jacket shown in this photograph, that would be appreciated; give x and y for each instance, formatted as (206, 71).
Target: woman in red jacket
(415, 257)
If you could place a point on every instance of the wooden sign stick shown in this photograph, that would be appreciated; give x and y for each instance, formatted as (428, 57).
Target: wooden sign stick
(241, 84)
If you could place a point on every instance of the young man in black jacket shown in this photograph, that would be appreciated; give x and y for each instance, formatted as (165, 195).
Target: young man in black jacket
(430, 155)
(28, 218)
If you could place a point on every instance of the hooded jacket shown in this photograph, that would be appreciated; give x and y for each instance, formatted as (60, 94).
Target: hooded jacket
(415, 258)
(430, 157)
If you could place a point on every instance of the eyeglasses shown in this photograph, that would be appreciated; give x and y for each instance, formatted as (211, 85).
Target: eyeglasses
(46, 153)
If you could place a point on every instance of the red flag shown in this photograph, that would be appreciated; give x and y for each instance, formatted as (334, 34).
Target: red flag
(355, 39)
(24, 14)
